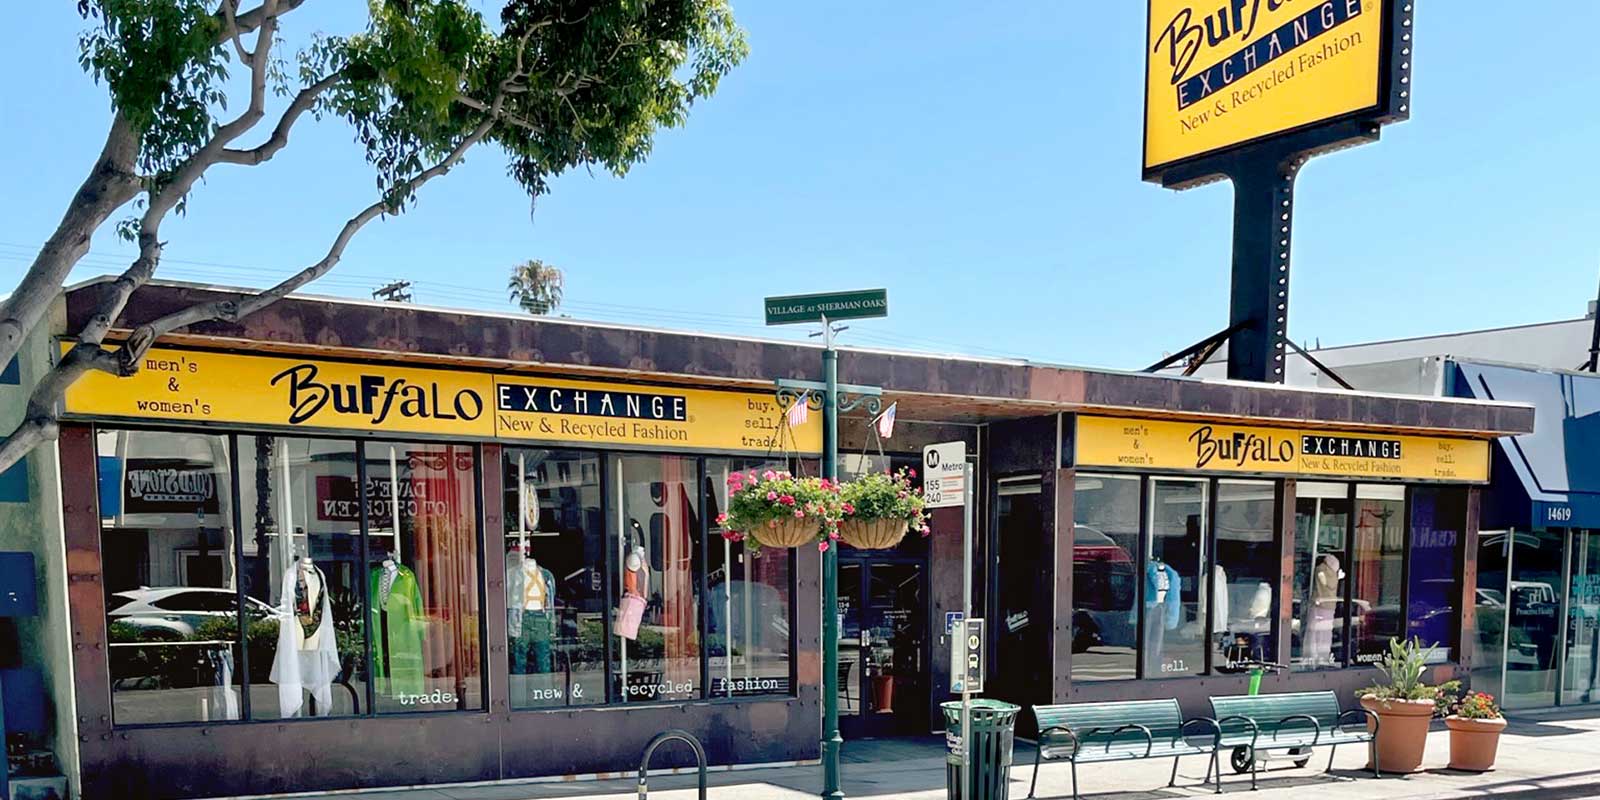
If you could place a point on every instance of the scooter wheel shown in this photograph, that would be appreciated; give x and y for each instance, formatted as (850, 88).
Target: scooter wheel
(1301, 762)
(1241, 759)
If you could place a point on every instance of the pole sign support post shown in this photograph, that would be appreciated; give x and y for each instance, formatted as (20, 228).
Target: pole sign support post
(1248, 91)
(947, 483)
(835, 398)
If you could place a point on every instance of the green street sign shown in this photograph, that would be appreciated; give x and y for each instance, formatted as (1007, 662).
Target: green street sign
(858, 304)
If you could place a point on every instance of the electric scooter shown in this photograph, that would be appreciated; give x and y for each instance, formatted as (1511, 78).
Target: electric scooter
(1242, 759)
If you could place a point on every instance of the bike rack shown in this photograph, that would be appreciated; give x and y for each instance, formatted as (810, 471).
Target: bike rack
(663, 738)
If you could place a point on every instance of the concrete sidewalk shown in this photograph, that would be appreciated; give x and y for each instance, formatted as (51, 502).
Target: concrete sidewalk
(1549, 756)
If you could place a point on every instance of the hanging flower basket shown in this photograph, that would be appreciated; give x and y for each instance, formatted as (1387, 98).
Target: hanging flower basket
(878, 509)
(873, 534)
(785, 533)
(777, 509)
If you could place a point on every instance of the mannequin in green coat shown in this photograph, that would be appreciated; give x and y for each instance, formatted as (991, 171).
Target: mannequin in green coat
(397, 628)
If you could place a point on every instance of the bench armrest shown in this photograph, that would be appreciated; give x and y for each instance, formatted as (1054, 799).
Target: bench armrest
(1216, 730)
(1316, 727)
(1059, 729)
(1149, 738)
(1255, 730)
(1363, 714)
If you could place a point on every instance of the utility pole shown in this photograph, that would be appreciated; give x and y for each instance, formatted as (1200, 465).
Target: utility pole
(397, 292)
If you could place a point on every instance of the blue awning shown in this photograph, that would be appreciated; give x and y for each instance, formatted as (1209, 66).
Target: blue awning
(1554, 472)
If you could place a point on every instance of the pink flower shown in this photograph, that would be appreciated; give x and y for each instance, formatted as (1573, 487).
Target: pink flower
(912, 473)
(772, 523)
(722, 518)
(822, 547)
(833, 534)
(769, 475)
(798, 514)
(787, 499)
(772, 496)
(849, 508)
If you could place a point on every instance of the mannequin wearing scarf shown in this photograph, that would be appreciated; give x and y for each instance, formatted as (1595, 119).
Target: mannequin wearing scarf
(397, 629)
(308, 657)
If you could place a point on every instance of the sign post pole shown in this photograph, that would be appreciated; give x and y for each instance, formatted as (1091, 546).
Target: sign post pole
(831, 740)
(819, 308)
(966, 614)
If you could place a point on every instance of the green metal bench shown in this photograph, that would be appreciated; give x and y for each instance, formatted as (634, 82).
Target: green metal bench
(1125, 731)
(1290, 721)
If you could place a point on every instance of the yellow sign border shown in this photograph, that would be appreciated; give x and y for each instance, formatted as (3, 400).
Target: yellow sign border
(1388, 105)
(1145, 445)
(322, 395)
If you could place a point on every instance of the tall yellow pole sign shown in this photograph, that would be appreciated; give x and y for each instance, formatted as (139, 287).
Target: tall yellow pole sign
(1221, 73)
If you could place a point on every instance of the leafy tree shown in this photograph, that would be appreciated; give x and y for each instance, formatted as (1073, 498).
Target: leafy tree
(553, 84)
(535, 286)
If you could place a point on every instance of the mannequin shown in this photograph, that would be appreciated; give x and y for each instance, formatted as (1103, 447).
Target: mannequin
(397, 628)
(1325, 578)
(635, 588)
(1163, 609)
(307, 659)
(530, 612)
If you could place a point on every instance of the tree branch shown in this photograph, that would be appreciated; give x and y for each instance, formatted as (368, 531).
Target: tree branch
(140, 341)
(229, 9)
(280, 134)
(111, 183)
(39, 423)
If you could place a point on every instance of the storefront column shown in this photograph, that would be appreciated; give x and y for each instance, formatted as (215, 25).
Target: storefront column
(1286, 521)
(80, 516)
(1061, 568)
(1466, 646)
(491, 468)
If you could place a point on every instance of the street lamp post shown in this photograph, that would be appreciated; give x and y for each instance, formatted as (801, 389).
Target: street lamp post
(836, 399)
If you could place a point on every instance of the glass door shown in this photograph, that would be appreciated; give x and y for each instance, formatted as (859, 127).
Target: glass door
(883, 688)
(1581, 676)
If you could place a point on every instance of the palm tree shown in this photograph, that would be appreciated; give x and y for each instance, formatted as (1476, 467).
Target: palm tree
(535, 286)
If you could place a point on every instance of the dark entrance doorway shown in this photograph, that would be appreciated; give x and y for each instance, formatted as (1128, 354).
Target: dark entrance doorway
(1019, 668)
(883, 645)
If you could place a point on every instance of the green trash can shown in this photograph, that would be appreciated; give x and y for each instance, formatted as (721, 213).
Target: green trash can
(994, 729)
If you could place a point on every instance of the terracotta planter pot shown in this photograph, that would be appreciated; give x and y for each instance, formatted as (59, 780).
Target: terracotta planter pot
(1402, 732)
(789, 533)
(873, 534)
(1474, 742)
(883, 692)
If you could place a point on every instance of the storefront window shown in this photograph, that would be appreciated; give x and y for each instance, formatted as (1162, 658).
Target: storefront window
(1321, 519)
(1174, 592)
(555, 595)
(1105, 579)
(172, 606)
(656, 646)
(1438, 516)
(1378, 574)
(300, 504)
(1581, 677)
(748, 601)
(1245, 573)
(423, 580)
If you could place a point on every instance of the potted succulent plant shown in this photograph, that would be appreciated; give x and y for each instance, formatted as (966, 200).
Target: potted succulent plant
(877, 509)
(1475, 724)
(1404, 705)
(777, 509)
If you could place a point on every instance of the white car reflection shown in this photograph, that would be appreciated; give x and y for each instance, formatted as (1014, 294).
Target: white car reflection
(176, 612)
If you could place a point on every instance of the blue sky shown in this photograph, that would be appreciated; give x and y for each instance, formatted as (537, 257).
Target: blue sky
(980, 160)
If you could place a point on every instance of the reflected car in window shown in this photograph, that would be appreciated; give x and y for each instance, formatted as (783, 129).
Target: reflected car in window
(177, 612)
